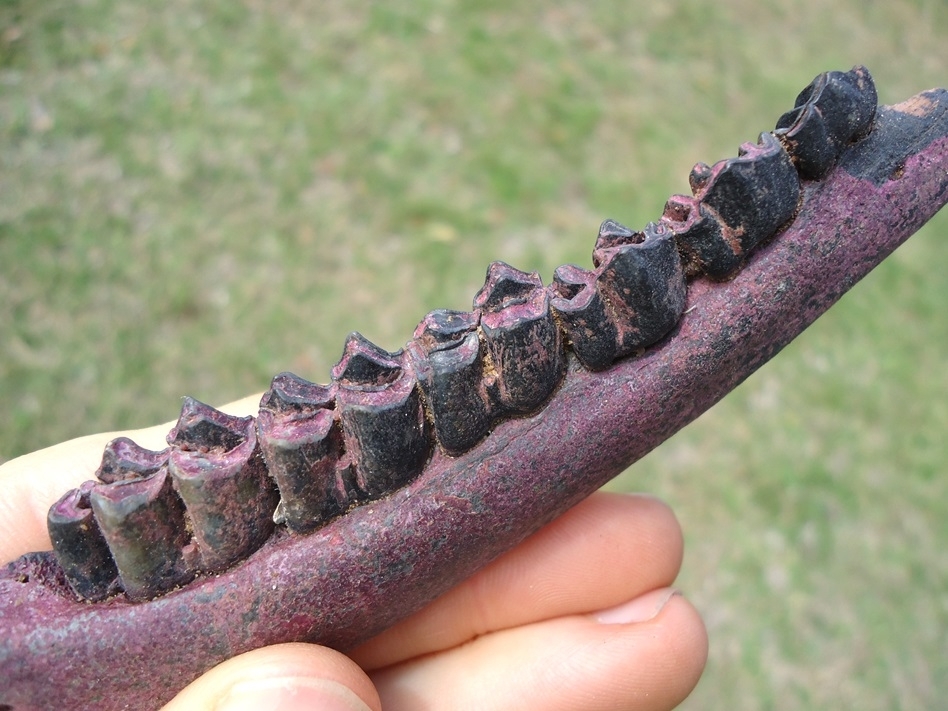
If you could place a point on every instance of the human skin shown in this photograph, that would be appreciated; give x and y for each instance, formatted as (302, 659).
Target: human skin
(581, 615)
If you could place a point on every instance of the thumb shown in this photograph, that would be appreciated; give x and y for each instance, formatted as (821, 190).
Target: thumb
(284, 677)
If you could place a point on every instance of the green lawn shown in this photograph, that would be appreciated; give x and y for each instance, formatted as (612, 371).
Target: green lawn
(197, 195)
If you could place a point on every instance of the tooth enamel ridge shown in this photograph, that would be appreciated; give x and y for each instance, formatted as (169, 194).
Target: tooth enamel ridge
(156, 520)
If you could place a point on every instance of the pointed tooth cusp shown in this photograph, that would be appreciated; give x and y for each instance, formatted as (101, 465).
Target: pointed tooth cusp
(523, 343)
(583, 316)
(80, 547)
(446, 356)
(302, 443)
(124, 459)
(836, 109)
(143, 522)
(383, 423)
(220, 474)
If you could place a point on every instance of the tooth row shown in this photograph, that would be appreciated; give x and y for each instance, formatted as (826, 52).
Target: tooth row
(155, 520)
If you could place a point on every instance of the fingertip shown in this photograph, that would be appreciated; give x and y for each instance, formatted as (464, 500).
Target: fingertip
(284, 677)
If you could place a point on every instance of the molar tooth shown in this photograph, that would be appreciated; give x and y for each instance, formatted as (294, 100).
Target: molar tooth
(383, 423)
(521, 338)
(302, 445)
(583, 316)
(142, 520)
(751, 196)
(835, 109)
(446, 356)
(80, 547)
(219, 472)
(644, 286)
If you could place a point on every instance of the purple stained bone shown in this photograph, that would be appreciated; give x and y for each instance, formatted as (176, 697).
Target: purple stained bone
(364, 571)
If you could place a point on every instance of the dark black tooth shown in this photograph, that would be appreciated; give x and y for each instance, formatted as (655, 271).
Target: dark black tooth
(80, 547)
(834, 110)
(583, 316)
(703, 248)
(124, 459)
(302, 445)
(644, 285)
(751, 196)
(446, 356)
(219, 472)
(143, 522)
(383, 423)
(522, 340)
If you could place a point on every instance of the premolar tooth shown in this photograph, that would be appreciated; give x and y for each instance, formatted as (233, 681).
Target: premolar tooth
(220, 474)
(143, 522)
(446, 356)
(302, 445)
(583, 316)
(80, 547)
(521, 337)
(835, 109)
(384, 427)
(644, 285)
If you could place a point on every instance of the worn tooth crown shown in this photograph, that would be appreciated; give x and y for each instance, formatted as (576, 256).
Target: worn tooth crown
(124, 459)
(644, 285)
(302, 446)
(220, 475)
(446, 355)
(80, 547)
(834, 110)
(583, 315)
(741, 202)
(143, 522)
(384, 425)
(522, 341)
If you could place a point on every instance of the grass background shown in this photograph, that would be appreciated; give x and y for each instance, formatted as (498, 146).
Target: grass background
(197, 195)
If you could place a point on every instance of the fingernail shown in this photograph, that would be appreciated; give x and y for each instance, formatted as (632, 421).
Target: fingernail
(642, 609)
(290, 694)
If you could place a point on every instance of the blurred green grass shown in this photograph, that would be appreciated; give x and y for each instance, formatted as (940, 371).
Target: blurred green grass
(197, 195)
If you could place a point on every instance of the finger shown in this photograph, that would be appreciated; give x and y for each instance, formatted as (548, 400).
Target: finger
(284, 677)
(30, 484)
(607, 549)
(574, 663)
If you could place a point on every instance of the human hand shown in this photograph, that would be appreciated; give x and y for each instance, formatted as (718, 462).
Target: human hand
(580, 616)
